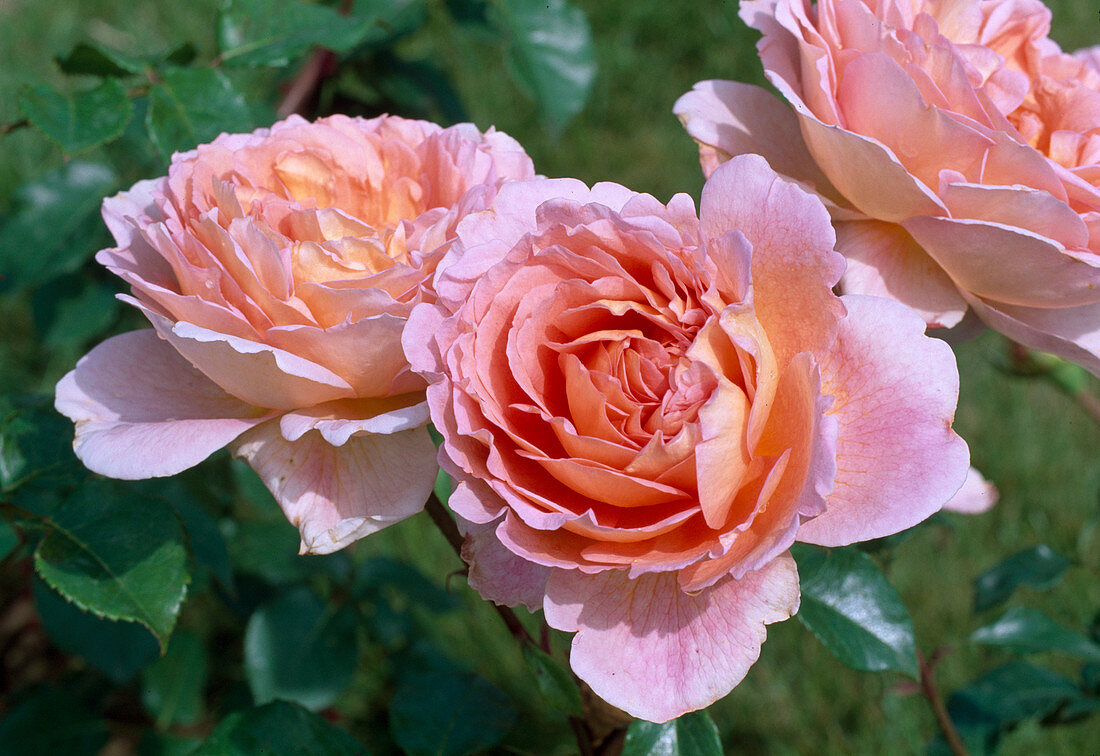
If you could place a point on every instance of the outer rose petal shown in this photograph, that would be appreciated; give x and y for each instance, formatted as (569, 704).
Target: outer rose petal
(498, 574)
(337, 495)
(729, 118)
(977, 495)
(884, 261)
(656, 652)
(895, 391)
(141, 410)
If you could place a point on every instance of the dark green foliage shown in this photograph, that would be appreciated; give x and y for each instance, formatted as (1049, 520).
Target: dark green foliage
(1039, 567)
(81, 121)
(693, 734)
(449, 714)
(277, 729)
(854, 611)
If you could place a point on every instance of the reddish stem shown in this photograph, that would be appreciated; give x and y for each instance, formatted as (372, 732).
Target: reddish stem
(932, 695)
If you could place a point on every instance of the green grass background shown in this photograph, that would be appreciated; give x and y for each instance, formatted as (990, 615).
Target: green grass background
(1031, 440)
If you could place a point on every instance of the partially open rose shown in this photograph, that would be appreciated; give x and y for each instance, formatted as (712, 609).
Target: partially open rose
(959, 147)
(643, 409)
(278, 269)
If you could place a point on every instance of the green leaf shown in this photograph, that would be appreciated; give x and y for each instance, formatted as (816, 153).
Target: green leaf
(191, 106)
(380, 573)
(449, 714)
(1014, 692)
(172, 687)
(94, 59)
(555, 683)
(1030, 631)
(81, 121)
(275, 32)
(299, 649)
(206, 540)
(73, 311)
(550, 52)
(119, 649)
(277, 729)
(55, 225)
(35, 445)
(9, 539)
(442, 487)
(51, 721)
(693, 734)
(1040, 567)
(117, 555)
(848, 604)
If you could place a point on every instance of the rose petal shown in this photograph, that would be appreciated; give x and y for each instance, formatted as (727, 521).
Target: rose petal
(656, 652)
(337, 495)
(498, 574)
(977, 495)
(142, 411)
(894, 393)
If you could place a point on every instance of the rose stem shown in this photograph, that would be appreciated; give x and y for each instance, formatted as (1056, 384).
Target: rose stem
(447, 527)
(932, 694)
(310, 75)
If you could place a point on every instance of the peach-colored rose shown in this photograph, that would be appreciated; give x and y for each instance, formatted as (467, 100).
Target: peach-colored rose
(643, 409)
(278, 269)
(958, 147)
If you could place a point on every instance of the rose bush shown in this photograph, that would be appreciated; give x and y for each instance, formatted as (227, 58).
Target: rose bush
(958, 148)
(643, 409)
(278, 269)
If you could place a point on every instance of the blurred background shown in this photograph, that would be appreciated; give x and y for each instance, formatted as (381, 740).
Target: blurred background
(94, 685)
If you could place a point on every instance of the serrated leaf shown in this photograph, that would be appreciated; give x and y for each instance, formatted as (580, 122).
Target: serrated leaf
(1014, 692)
(550, 52)
(277, 729)
(94, 59)
(1040, 567)
(51, 721)
(1030, 631)
(449, 714)
(172, 687)
(119, 649)
(117, 555)
(191, 106)
(852, 609)
(300, 649)
(55, 225)
(81, 121)
(555, 683)
(274, 32)
(693, 734)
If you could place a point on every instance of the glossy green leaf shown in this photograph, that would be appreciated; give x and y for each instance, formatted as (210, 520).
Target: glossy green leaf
(51, 721)
(1030, 631)
(848, 604)
(550, 53)
(449, 714)
(274, 32)
(298, 648)
(191, 106)
(278, 729)
(118, 555)
(54, 226)
(94, 59)
(693, 734)
(172, 687)
(1040, 567)
(555, 683)
(119, 649)
(35, 444)
(1014, 692)
(81, 121)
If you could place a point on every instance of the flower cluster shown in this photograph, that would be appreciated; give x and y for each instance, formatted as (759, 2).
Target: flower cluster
(643, 406)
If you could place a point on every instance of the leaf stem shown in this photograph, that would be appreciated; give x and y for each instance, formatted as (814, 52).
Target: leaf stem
(7, 128)
(932, 694)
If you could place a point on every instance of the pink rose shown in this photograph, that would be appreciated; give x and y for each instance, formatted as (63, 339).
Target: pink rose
(643, 409)
(278, 269)
(957, 146)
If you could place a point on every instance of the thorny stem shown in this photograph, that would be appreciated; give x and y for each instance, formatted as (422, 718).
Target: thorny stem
(932, 694)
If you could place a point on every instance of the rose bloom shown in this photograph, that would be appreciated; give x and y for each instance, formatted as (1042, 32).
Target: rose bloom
(958, 147)
(278, 269)
(643, 409)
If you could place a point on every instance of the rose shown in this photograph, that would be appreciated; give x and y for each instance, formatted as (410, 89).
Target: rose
(958, 147)
(278, 269)
(642, 410)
